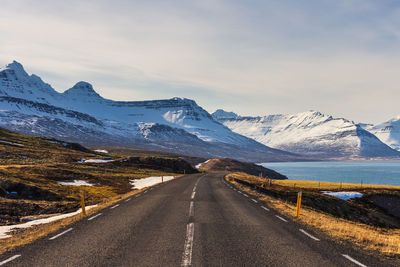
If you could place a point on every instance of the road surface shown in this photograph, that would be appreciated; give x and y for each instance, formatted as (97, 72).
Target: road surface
(196, 220)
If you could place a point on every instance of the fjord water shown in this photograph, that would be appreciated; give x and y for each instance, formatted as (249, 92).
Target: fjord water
(366, 172)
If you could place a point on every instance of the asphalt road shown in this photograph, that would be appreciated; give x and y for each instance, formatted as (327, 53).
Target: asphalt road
(196, 220)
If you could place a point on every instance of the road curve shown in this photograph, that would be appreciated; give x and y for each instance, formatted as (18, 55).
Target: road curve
(196, 220)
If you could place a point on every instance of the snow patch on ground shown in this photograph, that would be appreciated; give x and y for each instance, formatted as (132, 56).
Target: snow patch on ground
(101, 151)
(95, 161)
(5, 230)
(76, 183)
(149, 181)
(343, 195)
(11, 143)
(199, 165)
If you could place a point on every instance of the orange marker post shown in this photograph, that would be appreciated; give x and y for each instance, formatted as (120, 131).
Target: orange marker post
(298, 204)
(83, 204)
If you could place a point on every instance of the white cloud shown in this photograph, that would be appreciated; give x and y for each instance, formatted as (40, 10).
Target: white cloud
(339, 57)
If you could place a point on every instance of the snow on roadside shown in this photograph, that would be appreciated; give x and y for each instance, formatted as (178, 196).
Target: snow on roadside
(149, 181)
(11, 143)
(101, 151)
(95, 160)
(343, 195)
(6, 229)
(76, 183)
(199, 165)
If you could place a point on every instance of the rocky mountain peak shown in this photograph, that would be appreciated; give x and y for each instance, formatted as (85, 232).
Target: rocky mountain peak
(82, 90)
(14, 71)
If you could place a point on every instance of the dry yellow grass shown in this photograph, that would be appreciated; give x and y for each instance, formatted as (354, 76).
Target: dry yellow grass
(29, 235)
(386, 241)
(330, 185)
(312, 184)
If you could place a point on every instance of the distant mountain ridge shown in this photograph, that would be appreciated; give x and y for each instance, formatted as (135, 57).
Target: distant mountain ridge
(310, 133)
(388, 132)
(29, 105)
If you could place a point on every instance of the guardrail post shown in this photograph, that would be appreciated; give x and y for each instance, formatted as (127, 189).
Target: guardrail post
(298, 204)
(83, 203)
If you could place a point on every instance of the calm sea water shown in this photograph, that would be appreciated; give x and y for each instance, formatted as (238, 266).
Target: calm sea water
(366, 172)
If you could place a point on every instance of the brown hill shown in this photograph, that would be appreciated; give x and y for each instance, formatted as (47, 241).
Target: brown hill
(231, 165)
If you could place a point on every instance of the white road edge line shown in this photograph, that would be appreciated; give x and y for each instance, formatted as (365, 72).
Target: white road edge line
(245, 195)
(113, 207)
(309, 235)
(60, 234)
(265, 208)
(9, 259)
(353, 260)
(188, 248)
(255, 201)
(95, 216)
(126, 200)
(280, 218)
(191, 209)
(193, 194)
(138, 195)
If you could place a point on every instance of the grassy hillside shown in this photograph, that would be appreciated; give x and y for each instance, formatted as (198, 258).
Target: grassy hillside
(361, 210)
(32, 167)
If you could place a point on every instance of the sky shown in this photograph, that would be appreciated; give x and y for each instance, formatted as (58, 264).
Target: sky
(257, 57)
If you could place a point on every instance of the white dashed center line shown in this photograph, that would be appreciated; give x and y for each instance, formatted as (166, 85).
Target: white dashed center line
(353, 260)
(193, 194)
(309, 235)
(113, 207)
(191, 209)
(187, 252)
(9, 259)
(95, 216)
(280, 218)
(60, 234)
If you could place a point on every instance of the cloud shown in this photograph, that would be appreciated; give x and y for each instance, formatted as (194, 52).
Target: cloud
(258, 57)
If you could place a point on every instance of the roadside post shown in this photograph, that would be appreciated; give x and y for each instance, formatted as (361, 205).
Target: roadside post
(298, 204)
(83, 203)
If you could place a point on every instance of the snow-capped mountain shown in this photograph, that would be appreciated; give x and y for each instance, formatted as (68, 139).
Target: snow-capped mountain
(388, 132)
(309, 133)
(80, 114)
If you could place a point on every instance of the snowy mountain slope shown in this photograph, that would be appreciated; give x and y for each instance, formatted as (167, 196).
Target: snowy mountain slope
(29, 105)
(309, 133)
(388, 132)
(15, 82)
